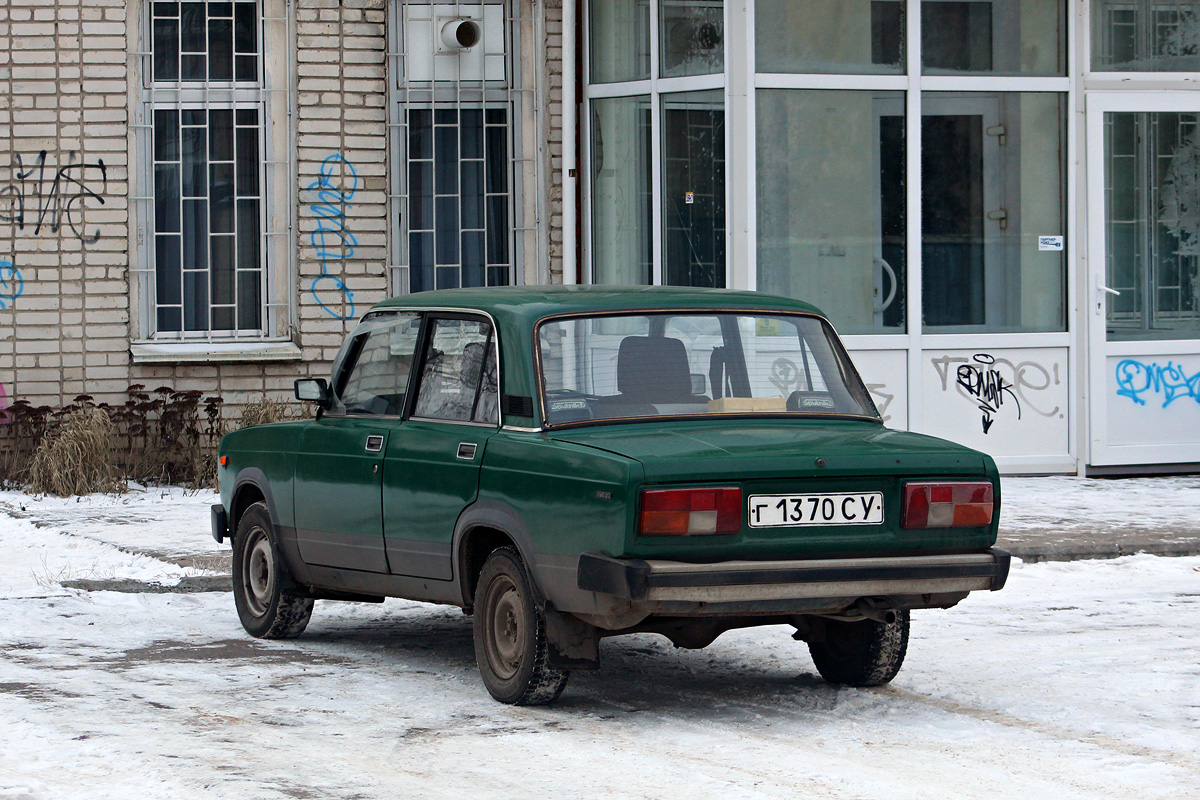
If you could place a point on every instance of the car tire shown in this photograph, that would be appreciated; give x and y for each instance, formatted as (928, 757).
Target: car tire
(510, 635)
(865, 653)
(261, 581)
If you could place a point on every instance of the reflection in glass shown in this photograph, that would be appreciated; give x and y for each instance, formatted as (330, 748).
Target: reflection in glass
(991, 186)
(830, 36)
(693, 137)
(692, 37)
(1162, 36)
(621, 199)
(1152, 224)
(619, 40)
(996, 37)
(831, 194)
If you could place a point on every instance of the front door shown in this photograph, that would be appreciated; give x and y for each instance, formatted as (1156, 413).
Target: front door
(1143, 300)
(431, 471)
(339, 465)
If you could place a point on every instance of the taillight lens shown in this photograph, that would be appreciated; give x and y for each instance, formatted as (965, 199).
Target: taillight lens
(947, 505)
(684, 512)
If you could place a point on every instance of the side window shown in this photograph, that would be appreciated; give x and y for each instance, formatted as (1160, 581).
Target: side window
(378, 381)
(458, 382)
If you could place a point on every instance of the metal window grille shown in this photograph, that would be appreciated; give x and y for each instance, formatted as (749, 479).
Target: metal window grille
(465, 198)
(1152, 181)
(1146, 34)
(204, 223)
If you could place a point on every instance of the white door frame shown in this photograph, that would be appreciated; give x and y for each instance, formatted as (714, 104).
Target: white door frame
(1185, 447)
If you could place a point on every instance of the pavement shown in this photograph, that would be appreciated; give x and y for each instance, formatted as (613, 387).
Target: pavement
(1041, 519)
(1071, 519)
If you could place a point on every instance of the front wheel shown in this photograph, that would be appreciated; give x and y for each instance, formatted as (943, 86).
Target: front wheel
(865, 653)
(261, 581)
(510, 635)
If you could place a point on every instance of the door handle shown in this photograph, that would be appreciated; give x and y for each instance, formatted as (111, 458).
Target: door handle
(1104, 288)
(374, 444)
(466, 451)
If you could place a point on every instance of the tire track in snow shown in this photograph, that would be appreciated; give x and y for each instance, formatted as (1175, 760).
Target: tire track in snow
(1056, 732)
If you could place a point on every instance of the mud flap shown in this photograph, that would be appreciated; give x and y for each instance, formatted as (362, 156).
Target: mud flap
(573, 644)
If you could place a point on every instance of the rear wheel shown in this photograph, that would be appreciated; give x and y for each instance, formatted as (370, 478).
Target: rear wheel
(261, 581)
(865, 653)
(510, 635)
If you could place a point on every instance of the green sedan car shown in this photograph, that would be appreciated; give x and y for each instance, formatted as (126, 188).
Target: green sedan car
(571, 463)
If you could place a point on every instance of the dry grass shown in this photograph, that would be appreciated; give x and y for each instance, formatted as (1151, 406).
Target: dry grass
(264, 412)
(77, 457)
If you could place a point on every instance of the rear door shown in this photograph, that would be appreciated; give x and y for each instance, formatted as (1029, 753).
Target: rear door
(431, 471)
(339, 466)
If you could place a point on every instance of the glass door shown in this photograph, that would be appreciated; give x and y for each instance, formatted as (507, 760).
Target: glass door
(1144, 301)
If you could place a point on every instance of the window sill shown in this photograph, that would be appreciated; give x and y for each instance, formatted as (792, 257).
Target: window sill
(212, 352)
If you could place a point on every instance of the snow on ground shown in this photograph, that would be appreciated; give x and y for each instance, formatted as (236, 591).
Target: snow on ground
(1067, 503)
(166, 521)
(1078, 680)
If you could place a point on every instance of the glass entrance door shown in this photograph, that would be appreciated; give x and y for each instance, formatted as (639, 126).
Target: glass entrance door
(1144, 297)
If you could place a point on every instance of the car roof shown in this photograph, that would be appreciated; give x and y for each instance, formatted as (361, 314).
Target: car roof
(525, 305)
(517, 309)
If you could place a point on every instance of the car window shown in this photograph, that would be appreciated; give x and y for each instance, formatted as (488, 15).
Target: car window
(378, 380)
(693, 364)
(458, 380)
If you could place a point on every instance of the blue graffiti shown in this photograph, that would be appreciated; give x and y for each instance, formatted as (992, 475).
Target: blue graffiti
(11, 283)
(333, 242)
(1135, 379)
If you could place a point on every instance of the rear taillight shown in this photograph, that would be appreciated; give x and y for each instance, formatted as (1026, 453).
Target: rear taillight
(947, 505)
(682, 512)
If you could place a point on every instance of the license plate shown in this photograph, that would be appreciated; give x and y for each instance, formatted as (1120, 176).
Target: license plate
(780, 510)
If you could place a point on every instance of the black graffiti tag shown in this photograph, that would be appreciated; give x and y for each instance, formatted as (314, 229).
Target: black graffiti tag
(987, 387)
(54, 198)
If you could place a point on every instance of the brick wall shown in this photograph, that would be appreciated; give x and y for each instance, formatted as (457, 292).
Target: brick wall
(64, 222)
(68, 231)
(342, 160)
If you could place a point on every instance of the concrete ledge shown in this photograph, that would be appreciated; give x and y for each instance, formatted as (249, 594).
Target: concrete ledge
(212, 352)
(218, 583)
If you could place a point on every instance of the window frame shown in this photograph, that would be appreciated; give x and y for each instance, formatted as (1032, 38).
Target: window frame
(845, 365)
(425, 342)
(527, 229)
(354, 351)
(271, 95)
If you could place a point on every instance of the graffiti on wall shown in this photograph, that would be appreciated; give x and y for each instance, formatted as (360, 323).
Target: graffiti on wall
(4, 404)
(882, 399)
(995, 384)
(1136, 378)
(334, 243)
(51, 200)
(11, 283)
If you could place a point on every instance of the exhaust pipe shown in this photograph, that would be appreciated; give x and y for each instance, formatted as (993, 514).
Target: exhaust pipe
(869, 610)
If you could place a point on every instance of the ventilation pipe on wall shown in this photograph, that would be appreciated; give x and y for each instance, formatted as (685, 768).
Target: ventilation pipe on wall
(460, 34)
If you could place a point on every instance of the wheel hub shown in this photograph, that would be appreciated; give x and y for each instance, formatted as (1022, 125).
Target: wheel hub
(507, 628)
(259, 572)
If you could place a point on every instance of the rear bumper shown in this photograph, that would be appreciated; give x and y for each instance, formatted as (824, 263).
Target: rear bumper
(655, 582)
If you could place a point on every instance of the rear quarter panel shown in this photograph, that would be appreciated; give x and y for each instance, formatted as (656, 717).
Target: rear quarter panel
(572, 499)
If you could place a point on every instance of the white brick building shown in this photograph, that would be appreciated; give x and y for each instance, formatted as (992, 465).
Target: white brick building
(202, 194)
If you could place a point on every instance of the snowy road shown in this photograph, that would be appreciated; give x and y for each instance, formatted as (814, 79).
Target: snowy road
(1078, 680)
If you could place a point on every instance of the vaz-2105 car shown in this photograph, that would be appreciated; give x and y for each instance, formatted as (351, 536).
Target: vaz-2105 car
(572, 463)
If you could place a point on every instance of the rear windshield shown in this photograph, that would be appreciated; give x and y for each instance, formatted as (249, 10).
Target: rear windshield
(696, 364)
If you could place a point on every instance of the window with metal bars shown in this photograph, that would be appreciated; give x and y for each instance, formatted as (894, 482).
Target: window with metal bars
(457, 116)
(206, 110)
